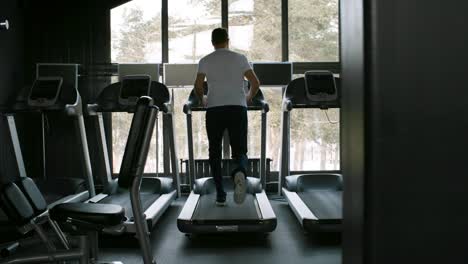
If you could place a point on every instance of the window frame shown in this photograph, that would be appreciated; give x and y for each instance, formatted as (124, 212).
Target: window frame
(298, 67)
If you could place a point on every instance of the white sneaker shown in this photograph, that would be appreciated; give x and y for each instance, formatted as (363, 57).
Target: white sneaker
(240, 187)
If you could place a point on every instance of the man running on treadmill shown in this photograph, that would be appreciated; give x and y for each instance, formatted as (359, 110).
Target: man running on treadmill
(226, 104)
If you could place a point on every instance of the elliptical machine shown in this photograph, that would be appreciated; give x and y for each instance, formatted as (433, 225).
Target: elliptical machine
(86, 220)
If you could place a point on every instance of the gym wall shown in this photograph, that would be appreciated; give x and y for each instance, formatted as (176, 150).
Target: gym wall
(407, 93)
(11, 76)
(62, 32)
(49, 31)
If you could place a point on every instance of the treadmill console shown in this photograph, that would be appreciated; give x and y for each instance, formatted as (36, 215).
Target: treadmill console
(133, 87)
(45, 91)
(320, 86)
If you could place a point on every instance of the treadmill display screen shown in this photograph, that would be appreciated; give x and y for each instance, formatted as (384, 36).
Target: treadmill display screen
(135, 87)
(320, 84)
(45, 89)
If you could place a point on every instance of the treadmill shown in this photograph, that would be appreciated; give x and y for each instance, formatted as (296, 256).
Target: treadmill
(200, 214)
(55, 97)
(315, 199)
(157, 193)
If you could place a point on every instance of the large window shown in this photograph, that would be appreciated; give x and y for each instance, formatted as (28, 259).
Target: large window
(190, 25)
(273, 97)
(200, 147)
(255, 28)
(136, 32)
(313, 30)
(120, 127)
(254, 25)
(315, 138)
(136, 38)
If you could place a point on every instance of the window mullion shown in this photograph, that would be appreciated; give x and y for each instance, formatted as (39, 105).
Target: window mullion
(225, 14)
(284, 30)
(165, 31)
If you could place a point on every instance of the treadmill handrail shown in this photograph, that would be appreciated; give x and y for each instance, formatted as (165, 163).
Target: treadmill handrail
(193, 103)
(295, 96)
(265, 207)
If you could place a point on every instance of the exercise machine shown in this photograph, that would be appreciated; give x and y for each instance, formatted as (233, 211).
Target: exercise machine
(315, 199)
(200, 214)
(86, 220)
(157, 193)
(53, 94)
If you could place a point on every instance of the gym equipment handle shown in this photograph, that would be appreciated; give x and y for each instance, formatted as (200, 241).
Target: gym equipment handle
(4, 25)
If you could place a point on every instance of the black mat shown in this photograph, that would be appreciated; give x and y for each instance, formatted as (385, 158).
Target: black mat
(208, 210)
(286, 245)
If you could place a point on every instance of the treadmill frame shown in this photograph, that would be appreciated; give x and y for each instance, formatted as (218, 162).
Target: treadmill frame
(74, 110)
(266, 223)
(157, 209)
(308, 220)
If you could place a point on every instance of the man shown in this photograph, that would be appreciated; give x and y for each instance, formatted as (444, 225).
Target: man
(226, 104)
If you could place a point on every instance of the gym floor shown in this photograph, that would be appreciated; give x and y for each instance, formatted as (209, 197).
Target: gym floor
(286, 245)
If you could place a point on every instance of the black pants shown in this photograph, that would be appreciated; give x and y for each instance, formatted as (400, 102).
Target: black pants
(234, 119)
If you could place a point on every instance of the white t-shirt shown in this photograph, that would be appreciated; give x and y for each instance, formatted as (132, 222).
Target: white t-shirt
(224, 70)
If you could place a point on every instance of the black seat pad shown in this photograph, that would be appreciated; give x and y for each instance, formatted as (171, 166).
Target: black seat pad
(99, 214)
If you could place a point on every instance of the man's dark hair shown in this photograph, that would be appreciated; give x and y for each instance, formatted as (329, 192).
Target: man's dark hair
(219, 35)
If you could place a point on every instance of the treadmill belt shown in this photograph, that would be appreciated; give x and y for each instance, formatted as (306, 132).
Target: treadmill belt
(123, 199)
(208, 210)
(325, 204)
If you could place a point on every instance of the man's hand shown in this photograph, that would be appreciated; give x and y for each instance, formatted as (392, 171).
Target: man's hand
(249, 98)
(204, 101)
(199, 89)
(254, 85)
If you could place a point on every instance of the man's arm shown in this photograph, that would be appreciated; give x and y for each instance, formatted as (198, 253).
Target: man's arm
(199, 91)
(254, 84)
